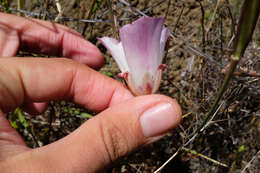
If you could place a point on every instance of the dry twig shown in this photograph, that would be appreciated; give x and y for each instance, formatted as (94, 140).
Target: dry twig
(204, 157)
(59, 10)
(249, 163)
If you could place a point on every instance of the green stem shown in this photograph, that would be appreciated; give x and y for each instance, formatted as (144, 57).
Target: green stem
(249, 15)
(247, 22)
(223, 88)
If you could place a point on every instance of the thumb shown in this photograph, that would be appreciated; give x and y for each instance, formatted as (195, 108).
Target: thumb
(111, 134)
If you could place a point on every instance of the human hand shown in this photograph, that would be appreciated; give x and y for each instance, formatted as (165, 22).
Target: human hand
(38, 36)
(123, 124)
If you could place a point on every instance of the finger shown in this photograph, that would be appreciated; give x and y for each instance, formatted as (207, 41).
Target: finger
(49, 38)
(110, 135)
(11, 142)
(34, 108)
(40, 80)
(9, 41)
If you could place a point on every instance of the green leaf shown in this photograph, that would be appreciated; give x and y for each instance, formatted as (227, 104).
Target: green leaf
(76, 112)
(107, 74)
(241, 149)
(96, 6)
(86, 115)
(21, 117)
(13, 124)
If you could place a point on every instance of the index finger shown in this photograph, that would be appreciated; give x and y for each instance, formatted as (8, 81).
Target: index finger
(40, 79)
(53, 39)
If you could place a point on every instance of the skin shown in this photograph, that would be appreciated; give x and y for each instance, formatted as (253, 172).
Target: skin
(31, 82)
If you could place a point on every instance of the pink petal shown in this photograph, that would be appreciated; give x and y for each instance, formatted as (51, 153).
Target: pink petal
(116, 50)
(142, 47)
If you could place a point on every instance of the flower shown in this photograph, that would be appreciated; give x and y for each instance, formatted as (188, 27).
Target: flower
(140, 52)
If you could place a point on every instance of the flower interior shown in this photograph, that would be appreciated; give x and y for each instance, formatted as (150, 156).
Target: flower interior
(139, 53)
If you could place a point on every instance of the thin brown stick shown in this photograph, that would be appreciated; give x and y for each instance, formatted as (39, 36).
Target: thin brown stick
(113, 15)
(204, 157)
(172, 157)
(213, 17)
(247, 74)
(20, 4)
(115, 18)
(167, 10)
(90, 12)
(203, 26)
(241, 73)
(231, 17)
(45, 7)
(179, 17)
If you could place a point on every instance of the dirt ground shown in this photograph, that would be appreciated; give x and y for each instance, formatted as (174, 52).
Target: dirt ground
(229, 142)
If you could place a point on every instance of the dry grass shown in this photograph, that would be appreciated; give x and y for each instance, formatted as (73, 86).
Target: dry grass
(193, 77)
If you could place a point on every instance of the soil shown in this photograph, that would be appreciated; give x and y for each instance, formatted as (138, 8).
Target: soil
(232, 138)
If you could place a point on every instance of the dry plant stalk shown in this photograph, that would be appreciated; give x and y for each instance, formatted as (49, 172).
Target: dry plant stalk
(204, 157)
(113, 11)
(20, 4)
(89, 14)
(213, 16)
(247, 22)
(59, 10)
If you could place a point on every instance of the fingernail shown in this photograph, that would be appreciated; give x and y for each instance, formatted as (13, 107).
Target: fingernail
(158, 119)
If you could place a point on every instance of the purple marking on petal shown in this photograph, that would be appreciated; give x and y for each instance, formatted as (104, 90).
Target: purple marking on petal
(142, 46)
(116, 50)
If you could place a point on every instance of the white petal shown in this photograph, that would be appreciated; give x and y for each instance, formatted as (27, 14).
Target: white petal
(164, 36)
(148, 86)
(116, 50)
